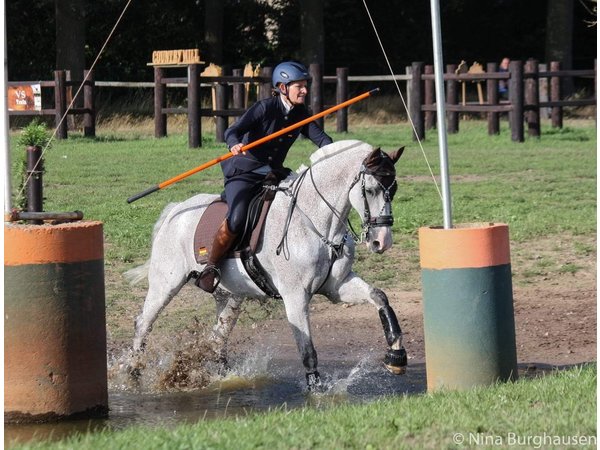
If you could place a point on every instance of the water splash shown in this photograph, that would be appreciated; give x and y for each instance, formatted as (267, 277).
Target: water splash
(186, 363)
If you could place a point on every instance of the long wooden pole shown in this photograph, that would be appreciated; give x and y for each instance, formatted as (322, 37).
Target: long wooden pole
(251, 145)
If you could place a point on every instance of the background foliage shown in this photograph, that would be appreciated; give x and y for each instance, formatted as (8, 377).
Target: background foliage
(267, 32)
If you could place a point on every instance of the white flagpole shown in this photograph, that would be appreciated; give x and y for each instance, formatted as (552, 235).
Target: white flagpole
(4, 121)
(440, 98)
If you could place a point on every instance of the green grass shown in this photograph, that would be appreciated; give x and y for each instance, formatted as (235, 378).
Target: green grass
(558, 406)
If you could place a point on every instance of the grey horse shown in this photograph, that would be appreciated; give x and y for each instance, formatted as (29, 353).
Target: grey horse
(307, 248)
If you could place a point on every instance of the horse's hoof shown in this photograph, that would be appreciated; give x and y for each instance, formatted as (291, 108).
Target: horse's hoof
(313, 382)
(395, 361)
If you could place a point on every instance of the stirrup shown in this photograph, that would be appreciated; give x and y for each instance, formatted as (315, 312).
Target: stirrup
(209, 278)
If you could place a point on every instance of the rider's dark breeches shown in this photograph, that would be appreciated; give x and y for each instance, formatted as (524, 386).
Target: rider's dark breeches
(239, 191)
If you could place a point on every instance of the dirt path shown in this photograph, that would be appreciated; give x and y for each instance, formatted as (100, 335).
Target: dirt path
(554, 291)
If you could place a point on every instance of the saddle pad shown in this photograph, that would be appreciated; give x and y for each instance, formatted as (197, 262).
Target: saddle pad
(207, 228)
(210, 222)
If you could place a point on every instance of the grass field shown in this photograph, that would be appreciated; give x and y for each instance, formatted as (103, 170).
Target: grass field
(544, 189)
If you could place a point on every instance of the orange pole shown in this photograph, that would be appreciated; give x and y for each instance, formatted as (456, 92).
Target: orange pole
(251, 145)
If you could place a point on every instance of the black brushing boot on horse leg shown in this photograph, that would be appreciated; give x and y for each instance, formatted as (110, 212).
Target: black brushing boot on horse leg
(395, 359)
(211, 275)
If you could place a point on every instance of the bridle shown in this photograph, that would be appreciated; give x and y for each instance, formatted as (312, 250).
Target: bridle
(381, 176)
(385, 178)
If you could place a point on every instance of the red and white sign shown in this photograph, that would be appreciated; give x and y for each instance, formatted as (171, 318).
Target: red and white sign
(25, 98)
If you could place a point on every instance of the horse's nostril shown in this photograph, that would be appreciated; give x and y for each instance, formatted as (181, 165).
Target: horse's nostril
(376, 244)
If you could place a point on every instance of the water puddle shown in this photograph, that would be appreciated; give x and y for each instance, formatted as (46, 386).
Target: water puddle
(185, 386)
(181, 381)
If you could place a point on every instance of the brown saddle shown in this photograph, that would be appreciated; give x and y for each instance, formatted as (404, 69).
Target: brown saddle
(210, 222)
(245, 250)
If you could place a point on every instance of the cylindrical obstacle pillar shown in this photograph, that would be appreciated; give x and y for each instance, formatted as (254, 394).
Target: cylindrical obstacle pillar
(468, 310)
(54, 322)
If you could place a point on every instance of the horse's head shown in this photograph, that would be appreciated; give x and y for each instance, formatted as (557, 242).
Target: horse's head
(371, 195)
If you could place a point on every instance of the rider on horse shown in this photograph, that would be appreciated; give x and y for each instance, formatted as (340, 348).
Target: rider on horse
(245, 174)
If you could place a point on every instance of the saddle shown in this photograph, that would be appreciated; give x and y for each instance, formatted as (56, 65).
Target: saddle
(245, 248)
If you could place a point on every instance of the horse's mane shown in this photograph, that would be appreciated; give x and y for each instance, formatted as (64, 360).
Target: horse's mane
(337, 147)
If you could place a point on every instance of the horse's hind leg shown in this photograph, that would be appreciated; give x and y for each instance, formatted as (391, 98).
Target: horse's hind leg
(355, 290)
(161, 290)
(228, 311)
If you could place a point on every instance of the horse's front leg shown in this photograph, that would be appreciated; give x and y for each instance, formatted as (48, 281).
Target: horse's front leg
(296, 307)
(354, 289)
(228, 311)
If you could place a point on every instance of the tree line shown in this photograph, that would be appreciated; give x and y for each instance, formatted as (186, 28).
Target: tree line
(67, 34)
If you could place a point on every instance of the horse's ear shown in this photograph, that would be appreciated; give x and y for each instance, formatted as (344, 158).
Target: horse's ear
(372, 161)
(395, 156)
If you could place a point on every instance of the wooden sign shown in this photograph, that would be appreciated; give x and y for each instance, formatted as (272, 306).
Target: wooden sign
(25, 98)
(175, 57)
(476, 68)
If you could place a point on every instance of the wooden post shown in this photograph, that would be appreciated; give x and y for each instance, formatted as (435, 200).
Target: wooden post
(408, 72)
(194, 124)
(543, 91)
(452, 99)
(492, 97)
(60, 104)
(532, 101)
(239, 89)
(89, 103)
(557, 112)
(341, 95)
(35, 172)
(265, 88)
(515, 96)
(316, 92)
(429, 99)
(160, 101)
(416, 98)
(221, 122)
(69, 98)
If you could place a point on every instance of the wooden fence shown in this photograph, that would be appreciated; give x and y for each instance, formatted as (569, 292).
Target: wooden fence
(523, 105)
(526, 99)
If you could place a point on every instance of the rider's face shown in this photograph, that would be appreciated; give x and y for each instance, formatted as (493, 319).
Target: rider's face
(297, 91)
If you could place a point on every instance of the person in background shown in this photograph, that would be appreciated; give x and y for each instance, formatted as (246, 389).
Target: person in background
(245, 173)
(503, 84)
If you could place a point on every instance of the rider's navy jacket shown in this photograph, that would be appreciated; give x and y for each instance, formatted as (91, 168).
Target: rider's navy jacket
(261, 119)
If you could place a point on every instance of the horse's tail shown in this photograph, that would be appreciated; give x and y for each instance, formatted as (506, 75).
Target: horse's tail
(139, 273)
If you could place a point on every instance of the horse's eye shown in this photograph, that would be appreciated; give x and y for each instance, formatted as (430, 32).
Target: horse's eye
(371, 192)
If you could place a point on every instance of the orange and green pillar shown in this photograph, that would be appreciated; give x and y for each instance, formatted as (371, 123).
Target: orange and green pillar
(467, 305)
(54, 322)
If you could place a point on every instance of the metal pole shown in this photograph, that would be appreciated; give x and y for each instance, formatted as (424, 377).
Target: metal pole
(4, 122)
(438, 63)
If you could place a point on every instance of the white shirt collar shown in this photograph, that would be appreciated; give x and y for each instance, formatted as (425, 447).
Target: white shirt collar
(286, 106)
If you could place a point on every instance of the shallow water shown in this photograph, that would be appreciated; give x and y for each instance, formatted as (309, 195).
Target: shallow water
(257, 382)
